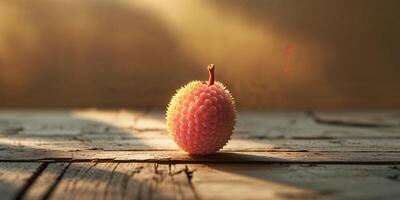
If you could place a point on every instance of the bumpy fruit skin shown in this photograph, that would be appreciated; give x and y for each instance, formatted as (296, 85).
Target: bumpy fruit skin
(201, 117)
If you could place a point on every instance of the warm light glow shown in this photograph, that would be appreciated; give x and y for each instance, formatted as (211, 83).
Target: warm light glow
(116, 53)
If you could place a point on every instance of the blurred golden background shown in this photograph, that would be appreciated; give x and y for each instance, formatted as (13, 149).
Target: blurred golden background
(275, 54)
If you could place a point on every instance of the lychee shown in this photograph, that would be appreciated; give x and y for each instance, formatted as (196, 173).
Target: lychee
(201, 116)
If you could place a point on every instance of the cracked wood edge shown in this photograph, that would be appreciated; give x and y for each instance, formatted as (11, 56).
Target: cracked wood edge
(124, 181)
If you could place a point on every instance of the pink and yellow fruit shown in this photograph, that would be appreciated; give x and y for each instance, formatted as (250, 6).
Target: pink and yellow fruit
(201, 116)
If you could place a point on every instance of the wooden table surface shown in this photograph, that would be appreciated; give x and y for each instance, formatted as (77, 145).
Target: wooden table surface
(127, 154)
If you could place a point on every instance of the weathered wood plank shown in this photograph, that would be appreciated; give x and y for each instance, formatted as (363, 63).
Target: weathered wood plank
(270, 125)
(359, 118)
(210, 181)
(67, 134)
(215, 181)
(234, 145)
(123, 181)
(251, 124)
(14, 178)
(221, 157)
(65, 122)
(41, 187)
(140, 136)
(158, 144)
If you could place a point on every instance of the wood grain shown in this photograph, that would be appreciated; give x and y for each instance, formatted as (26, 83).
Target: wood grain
(360, 118)
(15, 178)
(221, 157)
(239, 181)
(123, 181)
(101, 134)
(112, 143)
(127, 154)
(215, 181)
(46, 182)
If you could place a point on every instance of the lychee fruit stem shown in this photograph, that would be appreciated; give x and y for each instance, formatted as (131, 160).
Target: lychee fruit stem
(211, 68)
